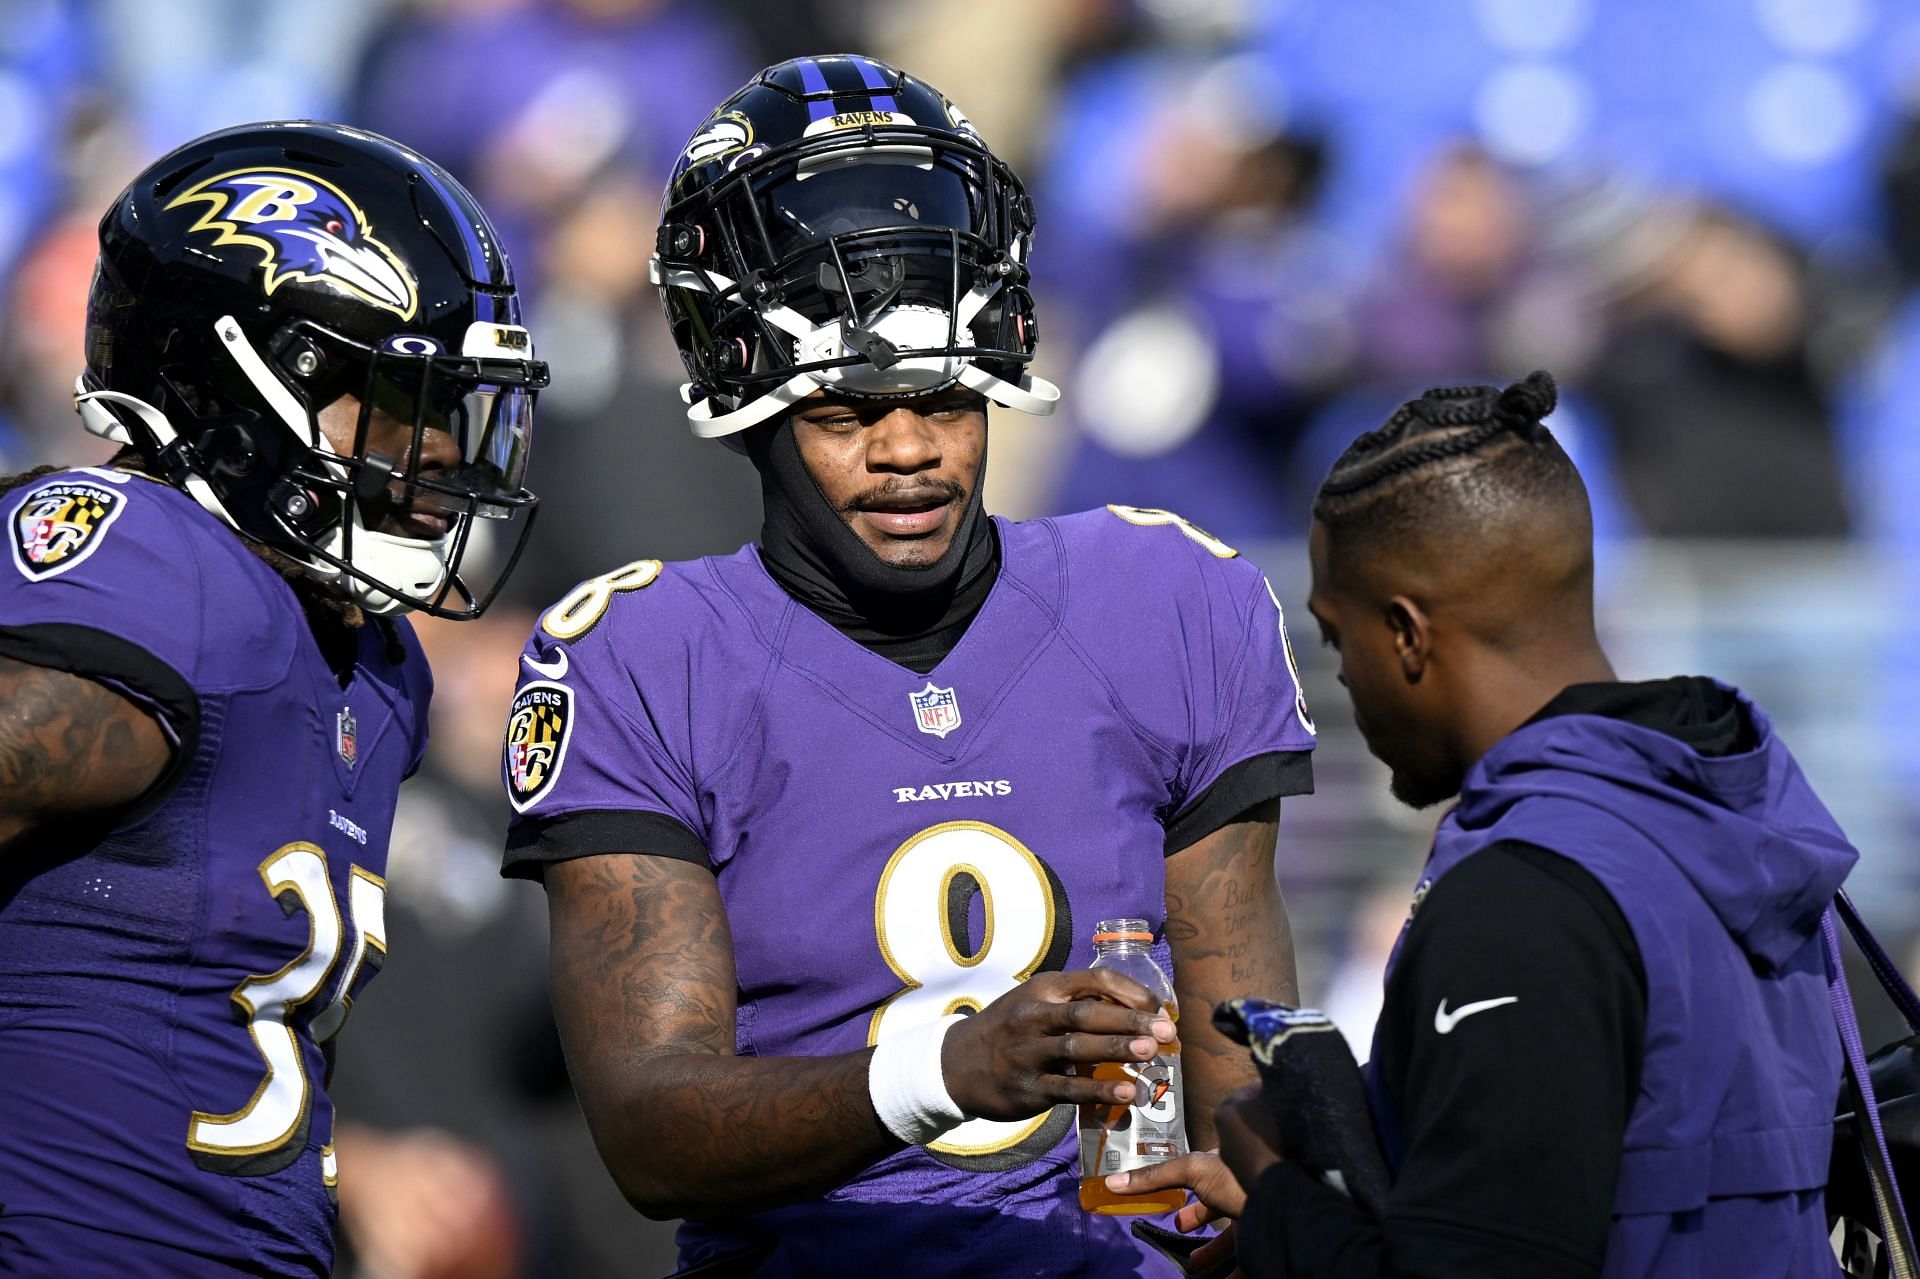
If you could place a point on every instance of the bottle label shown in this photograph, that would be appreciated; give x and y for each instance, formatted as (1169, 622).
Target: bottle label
(1150, 1131)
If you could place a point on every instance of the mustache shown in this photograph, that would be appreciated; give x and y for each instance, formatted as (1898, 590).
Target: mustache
(897, 490)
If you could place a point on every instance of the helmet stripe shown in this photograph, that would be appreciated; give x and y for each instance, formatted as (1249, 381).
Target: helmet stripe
(815, 81)
(875, 78)
(482, 266)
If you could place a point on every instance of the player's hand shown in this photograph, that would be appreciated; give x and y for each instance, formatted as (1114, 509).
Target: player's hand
(423, 1204)
(1009, 1060)
(1249, 1137)
(1216, 1192)
(1217, 1196)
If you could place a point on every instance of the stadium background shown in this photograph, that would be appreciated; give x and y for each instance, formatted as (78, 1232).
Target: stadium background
(1263, 223)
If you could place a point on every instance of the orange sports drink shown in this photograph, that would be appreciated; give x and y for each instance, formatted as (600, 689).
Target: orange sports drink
(1153, 1128)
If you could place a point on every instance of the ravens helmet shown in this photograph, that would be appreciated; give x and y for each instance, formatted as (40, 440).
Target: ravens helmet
(838, 224)
(256, 276)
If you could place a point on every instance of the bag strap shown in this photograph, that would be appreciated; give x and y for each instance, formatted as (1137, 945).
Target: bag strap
(1894, 1229)
(1883, 966)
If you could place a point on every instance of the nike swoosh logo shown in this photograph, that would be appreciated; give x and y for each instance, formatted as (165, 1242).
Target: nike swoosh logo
(556, 669)
(1444, 1021)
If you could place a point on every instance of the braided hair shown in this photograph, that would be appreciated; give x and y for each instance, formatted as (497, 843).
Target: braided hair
(1472, 451)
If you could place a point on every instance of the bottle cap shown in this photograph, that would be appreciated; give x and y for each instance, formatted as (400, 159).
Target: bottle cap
(1100, 937)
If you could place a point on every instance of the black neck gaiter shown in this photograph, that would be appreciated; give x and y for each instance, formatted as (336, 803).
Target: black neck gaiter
(913, 616)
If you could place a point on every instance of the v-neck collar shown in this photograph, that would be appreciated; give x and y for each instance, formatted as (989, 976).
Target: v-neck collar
(1020, 614)
(362, 711)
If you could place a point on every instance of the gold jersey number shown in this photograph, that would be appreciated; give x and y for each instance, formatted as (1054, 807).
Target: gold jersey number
(921, 918)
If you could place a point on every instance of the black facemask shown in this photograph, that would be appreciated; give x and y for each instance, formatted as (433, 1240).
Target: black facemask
(913, 616)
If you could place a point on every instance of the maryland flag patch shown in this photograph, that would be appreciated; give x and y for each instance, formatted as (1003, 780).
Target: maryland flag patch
(58, 525)
(537, 730)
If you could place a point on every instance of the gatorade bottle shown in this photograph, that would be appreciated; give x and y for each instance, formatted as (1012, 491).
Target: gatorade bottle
(1152, 1129)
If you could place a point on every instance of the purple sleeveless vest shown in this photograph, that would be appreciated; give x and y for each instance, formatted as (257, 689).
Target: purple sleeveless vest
(1722, 867)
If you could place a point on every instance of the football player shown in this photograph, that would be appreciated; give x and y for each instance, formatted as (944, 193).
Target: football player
(826, 824)
(307, 342)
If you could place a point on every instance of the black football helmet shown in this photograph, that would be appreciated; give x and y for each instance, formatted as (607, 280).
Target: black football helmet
(839, 224)
(257, 275)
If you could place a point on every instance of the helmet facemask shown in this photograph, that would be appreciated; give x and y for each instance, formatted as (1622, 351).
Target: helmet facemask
(885, 261)
(439, 445)
(251, 279)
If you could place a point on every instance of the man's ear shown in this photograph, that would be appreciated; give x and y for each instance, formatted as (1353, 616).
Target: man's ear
(1412, 636)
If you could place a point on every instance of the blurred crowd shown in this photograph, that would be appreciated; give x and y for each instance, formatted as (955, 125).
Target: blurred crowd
(1263, 224)
(1262, 221)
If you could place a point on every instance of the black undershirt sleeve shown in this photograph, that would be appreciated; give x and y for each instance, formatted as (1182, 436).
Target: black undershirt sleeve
(1513, 1113)
(1273, 775)
(128, 670)
(532, 845)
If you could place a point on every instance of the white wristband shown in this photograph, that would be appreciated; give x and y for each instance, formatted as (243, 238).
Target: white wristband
(908, 1087)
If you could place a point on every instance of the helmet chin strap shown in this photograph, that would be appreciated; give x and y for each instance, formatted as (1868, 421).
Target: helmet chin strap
(905, 327)
(271, 388)
(413, 565)
(101, 420)
(709, 425)
(1036, 395)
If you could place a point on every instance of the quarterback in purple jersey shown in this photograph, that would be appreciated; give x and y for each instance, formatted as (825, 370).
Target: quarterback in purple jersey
(307, 343)
(826, 824)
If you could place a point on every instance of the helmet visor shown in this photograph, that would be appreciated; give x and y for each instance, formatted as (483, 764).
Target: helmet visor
(455, 430)
(806, 207)
(436, 458)
(483, 406)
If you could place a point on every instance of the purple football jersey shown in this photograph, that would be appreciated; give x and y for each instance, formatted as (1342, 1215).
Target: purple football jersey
(166, 989)
(891, 846)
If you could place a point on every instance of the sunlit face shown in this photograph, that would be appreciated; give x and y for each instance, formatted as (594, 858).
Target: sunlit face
(391, 438)
(900, 472)
(1394, 714)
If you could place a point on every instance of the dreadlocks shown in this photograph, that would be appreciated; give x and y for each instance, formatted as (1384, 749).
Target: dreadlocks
(334, 618)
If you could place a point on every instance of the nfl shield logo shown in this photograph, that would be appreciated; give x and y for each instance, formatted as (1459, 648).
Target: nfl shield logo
(935, 710)
(345, 738)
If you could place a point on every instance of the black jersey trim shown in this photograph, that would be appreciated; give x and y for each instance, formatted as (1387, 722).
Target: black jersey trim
(533, 843)
(128, 670)
(1273, 775)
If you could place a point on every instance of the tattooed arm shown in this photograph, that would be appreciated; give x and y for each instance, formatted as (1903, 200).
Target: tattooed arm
(643, 993)
(1227, 927)
(70, 748)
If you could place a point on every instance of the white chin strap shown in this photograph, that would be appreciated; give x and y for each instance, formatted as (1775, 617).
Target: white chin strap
(415, 566)
(904, 327)
(103, 422)
(412, 565)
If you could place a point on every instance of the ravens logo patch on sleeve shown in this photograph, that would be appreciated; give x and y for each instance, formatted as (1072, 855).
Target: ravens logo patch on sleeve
(537, 730)
(58, 525)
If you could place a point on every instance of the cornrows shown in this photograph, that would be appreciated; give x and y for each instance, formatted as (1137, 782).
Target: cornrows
(1444, 423)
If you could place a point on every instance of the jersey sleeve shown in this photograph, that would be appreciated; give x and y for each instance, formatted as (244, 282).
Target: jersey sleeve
(104, 581)
(597, 757)
(1252, 736)
(1192, 640)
